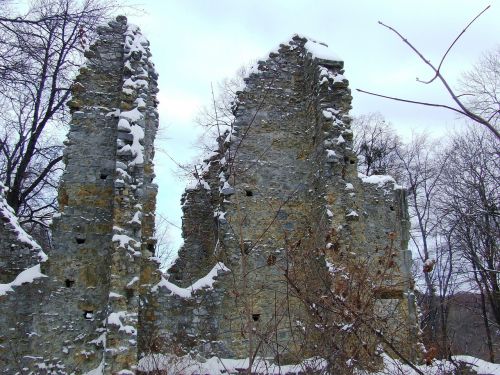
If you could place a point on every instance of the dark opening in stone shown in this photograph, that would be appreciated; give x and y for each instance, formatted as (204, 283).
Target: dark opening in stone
(351, 161)
(249, 193)
(80, 240)
(151, 247)
(103, 176)
(69, 283)
(88, 314)
(255, 317)
(129, 293)
(391, 208)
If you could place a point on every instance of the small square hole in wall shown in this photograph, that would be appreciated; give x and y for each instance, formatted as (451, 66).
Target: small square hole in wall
(80, 240)
(69, 283)
(248, 193)
(103, 176)
(88, 314)
(129, 293)
(256, 317)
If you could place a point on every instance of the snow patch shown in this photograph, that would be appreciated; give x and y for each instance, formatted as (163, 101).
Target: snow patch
(9, 216)
(205, 282)
(99, 370)
(320, 50)
(379, 180)
(216, 365)
(123, 240)
(26, 276)
(115, 318)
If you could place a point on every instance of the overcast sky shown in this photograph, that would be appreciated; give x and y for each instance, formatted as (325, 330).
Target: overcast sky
(199, 42)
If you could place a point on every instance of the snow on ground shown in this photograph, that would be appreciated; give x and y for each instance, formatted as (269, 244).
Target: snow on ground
(438, 367)
(97, 371)
(186, 365)
(190, 366)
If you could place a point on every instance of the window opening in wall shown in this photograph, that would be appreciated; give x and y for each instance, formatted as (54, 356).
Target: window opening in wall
(88, 314)
(256, 317)
(391, 208)
(249, 193)
(80, 240)
(69, 283)
(103, 176)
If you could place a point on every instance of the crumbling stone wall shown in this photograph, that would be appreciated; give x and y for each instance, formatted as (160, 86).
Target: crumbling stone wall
(18, 249)
(284, 177)
(282, 184)
(86, 313)
(20, 279)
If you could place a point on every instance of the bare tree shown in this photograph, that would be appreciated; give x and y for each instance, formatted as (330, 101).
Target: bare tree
(421, 177)
(164, 250)
(217, 118)
(470, 207)
(480, 87)
(39, 54)
(375, 144)
(461, 107)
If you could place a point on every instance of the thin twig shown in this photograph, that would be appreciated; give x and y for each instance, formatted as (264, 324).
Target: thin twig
(463, 109)
(413, 101)
(455, 41)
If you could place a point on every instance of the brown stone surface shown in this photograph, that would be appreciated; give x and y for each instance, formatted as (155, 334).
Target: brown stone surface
(292, 181)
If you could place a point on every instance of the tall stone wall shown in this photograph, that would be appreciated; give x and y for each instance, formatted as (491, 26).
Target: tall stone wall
(85, 313)
(282, 181)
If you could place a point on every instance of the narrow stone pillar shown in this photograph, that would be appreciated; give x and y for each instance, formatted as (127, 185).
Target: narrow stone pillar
(103, 236)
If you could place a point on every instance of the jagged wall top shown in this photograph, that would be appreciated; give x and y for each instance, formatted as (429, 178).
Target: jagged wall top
(87, 310)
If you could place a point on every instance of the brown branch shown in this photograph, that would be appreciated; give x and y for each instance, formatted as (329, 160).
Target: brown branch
(42, 175)
(413, 101)
(455, 41)
(463, 110)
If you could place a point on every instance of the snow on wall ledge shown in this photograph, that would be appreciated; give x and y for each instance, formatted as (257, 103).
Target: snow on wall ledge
(20, 254)
(27, 276)
(205, 282)
(319, 50)
(9, 218)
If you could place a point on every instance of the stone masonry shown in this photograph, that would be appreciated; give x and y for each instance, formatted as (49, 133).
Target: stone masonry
(272, 212)
(20, 258)
(102, 265)
(283, 178)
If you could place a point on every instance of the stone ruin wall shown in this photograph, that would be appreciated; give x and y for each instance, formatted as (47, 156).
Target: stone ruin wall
(285, 173)
(287, 166)
(20, 258)
(88, 310)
